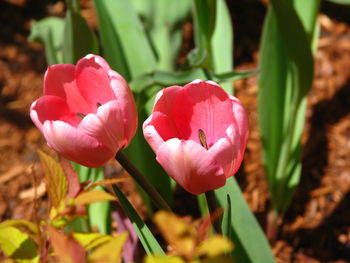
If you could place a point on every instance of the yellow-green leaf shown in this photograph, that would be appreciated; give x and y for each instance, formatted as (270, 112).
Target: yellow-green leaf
(27, 225)
(108, 182)
(162, 259)
(93, 196)
(16, 244)
(181, 235)
(221, 259)
(91, 240)
(215, 246)
(110, 252)
(56, 180)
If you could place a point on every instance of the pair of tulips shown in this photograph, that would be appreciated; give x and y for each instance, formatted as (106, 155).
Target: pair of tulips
(87, 114)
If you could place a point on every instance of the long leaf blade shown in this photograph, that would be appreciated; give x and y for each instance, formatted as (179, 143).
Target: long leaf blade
(146, 237)
(249, 240)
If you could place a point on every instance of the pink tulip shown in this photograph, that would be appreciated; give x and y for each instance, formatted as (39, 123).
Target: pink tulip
(87, 113)
(199, 134)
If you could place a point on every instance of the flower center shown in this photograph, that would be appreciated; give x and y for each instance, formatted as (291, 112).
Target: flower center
(202, 138)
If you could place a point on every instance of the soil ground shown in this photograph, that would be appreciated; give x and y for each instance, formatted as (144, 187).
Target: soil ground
(316, 227)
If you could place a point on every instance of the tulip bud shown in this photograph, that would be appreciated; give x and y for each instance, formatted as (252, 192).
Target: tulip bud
(87, 113)
(199, 134)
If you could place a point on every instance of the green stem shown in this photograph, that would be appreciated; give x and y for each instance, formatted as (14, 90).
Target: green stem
(213, 207)
(142, 181)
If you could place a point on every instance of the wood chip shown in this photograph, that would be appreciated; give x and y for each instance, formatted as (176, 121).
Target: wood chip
(30, 193)
(12, 173)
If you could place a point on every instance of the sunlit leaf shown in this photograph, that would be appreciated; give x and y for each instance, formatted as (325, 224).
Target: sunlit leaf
(56, 181)
(221, 259)
(182, 236)
(340, 2)
(93, 196)
(66, 249)
(91, 240)
(286, 64)
(111, 251)
(204, 22)
(27, 225)
(128, 34)
(215, 246)
(49, 31)
(162, 259)
(17, 245)
(221, 44)
(79, 39)
(234, 75)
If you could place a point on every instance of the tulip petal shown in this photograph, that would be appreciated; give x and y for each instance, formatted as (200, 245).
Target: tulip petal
(165, 99)
(51, 108)
(93, 82)
(242, 121)
(105, 126)
(126, 104)
(157, 129)
(123, 95)
(59, 81)
(75, 145)
(227, 151)
(190, 165)
(203, 106)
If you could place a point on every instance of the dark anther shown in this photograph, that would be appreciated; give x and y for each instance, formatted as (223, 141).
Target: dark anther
(80, 115)
(202, 138)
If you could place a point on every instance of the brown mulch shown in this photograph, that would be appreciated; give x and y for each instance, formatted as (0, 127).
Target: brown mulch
(316, 226)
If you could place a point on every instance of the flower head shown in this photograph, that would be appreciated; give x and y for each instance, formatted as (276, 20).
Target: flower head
(199, 134)
(87, 113)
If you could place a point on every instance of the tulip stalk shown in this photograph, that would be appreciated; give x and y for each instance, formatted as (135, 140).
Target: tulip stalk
(213, 208)
(142, 181)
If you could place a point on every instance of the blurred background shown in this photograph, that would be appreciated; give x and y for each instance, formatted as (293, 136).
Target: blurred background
(316, 227)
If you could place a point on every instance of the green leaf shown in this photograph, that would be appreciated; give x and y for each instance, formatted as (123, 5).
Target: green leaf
(79, 40)
(146, 237)
(233, 75)
(111, 45)
(56, 181)
(139, 57)
(204, 12)
(286, 75)
(17, 245)
(221, 45)
(99, 213)
(49, 31)
(249, 240)
(165, 78)
(227, 230)
(297, 41)
(340, 2)
(164, 29)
